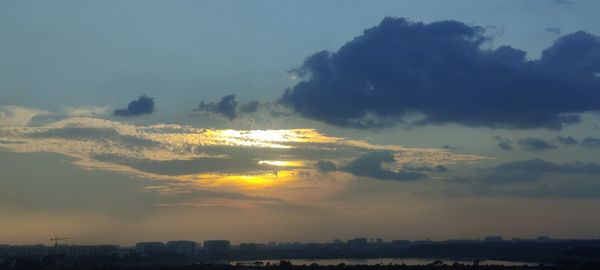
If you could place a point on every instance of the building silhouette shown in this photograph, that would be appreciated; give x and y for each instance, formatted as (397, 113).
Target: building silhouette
(357, 242)
(216, 247)
(183, 247)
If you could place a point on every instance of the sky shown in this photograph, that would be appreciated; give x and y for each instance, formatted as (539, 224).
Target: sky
(129, 121)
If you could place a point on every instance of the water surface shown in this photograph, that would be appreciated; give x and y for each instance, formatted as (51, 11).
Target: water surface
(384, 261)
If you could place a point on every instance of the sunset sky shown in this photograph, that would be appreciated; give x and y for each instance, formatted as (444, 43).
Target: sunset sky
(257, 121)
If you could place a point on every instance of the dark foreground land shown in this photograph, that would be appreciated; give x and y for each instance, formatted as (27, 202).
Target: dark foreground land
(567, 254)
(58, 263)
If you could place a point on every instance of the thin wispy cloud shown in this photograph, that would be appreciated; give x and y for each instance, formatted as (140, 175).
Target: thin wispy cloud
(16, 116)
(86, 111)
(207, 157)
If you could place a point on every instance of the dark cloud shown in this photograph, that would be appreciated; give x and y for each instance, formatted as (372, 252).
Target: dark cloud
(590, 142)
(504, 144)
(250, 107)
(449, 147)
(228, 107)
(326, 166)
(143, 105)
(434, 169)
(370, 165)
(520, 179)
(535, 144)
(566, 141)
(559, 190)
(533, 169)
(542, 166)
(417, 73)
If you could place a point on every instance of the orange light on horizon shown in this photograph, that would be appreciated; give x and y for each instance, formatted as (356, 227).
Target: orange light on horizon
(247, 182)
(282, 163)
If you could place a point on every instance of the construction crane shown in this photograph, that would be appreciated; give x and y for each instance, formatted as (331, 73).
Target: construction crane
(56, 239)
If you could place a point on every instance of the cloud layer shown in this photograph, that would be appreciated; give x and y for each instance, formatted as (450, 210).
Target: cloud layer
(541, 144)
(11, 116)
(436, 73)
(531, 170)
(531, 178)
(212, 157)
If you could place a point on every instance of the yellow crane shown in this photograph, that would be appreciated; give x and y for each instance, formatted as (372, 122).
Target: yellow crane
(56, 239)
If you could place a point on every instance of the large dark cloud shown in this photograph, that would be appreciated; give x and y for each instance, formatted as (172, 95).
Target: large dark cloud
(143, 105)
(371, 165)
(228, 107)
(417, 73)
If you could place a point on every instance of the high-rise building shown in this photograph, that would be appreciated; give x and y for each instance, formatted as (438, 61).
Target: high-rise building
(183, 247)
(216, 247)
(357, 242)
(152, 248)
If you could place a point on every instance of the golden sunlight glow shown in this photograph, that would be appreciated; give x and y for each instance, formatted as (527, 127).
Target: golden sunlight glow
(258, 181)
(282, 163)
(270, 138)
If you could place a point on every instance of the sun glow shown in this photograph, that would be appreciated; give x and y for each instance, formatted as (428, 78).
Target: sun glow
(270, 138)
(282, 163)
(258, 181)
